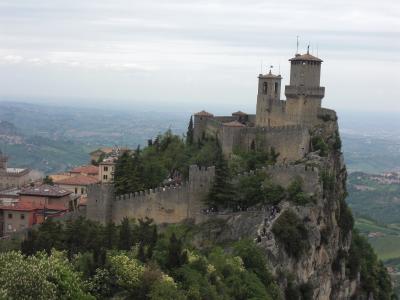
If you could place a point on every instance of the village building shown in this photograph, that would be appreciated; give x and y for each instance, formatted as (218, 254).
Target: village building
(77, 184)
(21, 209)
(12, 177)
(89, 170)
(107, 169)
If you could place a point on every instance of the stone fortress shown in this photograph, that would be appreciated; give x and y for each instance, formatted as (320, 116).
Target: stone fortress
(282, 125)
(279, 124)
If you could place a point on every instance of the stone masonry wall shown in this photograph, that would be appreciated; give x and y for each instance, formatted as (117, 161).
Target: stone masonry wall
(175, 204)
(291, 142)
(172, 204)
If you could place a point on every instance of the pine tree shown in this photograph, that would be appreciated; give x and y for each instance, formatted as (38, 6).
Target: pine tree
(125, 235)
(176, 256)
(221, 193)
(189, 134)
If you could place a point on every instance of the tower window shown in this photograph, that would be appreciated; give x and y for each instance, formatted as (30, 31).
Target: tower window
(276, 88)
(265, 88)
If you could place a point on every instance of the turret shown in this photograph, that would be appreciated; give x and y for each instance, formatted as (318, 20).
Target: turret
(305, 74)
(269, 93)
(304, 94)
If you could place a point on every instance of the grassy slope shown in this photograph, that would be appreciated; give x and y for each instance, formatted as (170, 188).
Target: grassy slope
(387, 246)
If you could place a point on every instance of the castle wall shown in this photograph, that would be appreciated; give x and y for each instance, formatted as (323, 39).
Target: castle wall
(303, 110)
(171, 204)
(178, 203)
(284, 175)
(291, 142)
(101, 198)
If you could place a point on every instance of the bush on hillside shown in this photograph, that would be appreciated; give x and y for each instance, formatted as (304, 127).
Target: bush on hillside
(290, 231)
(296, 193)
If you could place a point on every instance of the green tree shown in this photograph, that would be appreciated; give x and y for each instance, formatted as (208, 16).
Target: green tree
(48, 180)
(290, 231)
(221, 193)
(40, 277)
(189, 133)
(126, 238)
(176, 256)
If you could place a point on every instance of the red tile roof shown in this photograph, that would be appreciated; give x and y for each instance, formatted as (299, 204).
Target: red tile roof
(45, 190)
(204, 113)
(305, 57)
(77, 180)
(90, 170)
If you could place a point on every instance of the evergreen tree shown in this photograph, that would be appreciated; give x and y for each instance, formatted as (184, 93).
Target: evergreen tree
(48, 180)
(176, 257)
(189, 134)
(221, 193)
(110, 236)
(125, 235)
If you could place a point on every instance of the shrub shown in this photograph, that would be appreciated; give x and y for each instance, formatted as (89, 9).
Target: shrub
(373, 275)
(273, 193)
(328, 181)
(318, 143)
(337, 144)
(290, 231)
(345, 220)
(296, 194)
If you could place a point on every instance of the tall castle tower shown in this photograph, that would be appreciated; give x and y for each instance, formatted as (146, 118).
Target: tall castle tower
(3, 163)
(304, 94)
(268, 98)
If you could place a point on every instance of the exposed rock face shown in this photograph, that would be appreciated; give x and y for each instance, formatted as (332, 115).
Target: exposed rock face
(329, 236)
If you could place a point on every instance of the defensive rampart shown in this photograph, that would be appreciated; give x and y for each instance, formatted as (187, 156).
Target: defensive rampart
(170, 204)
(174, 204)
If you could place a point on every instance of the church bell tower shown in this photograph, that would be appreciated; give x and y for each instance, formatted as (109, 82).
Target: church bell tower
(269, 94)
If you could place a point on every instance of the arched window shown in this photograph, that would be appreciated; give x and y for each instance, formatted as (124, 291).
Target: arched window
(265, 87)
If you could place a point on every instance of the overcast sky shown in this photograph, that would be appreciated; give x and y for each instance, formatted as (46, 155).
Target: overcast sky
(196, 54)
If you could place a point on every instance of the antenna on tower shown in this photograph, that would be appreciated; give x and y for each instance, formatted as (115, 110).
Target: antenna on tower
(297, 49)
(308, 48)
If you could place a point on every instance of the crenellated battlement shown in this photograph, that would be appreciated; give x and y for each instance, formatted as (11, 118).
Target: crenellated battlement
(198, 176)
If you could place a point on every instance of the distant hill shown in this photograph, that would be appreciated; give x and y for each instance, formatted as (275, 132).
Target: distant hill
(375, 196)
(7, 128)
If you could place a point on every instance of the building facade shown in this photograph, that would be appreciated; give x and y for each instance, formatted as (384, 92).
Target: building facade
(12, 177)
(281, 125)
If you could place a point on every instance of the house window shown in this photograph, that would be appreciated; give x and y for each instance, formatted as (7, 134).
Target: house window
(10, 216)
(76, 190)
(105, 169)
(22, 216)
(104, 176)
(82, 190)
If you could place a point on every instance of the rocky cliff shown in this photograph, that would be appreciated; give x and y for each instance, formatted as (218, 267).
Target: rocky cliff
(307, 244)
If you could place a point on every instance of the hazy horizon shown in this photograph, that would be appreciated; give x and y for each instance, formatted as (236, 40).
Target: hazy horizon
(196, 54)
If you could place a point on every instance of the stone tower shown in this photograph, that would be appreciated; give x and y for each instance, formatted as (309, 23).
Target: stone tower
(304, 94)
(3, 163)
(268, 98)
